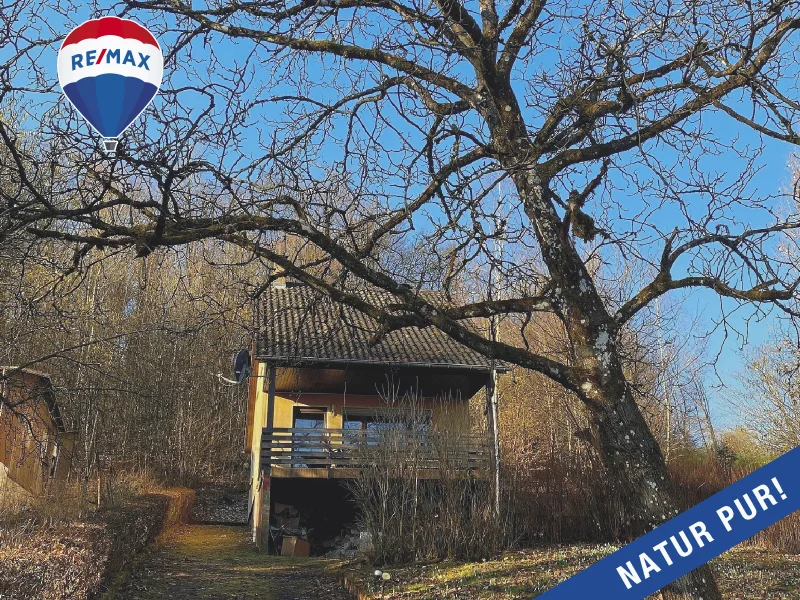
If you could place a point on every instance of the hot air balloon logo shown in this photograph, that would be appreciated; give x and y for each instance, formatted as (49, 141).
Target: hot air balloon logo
(110, 69)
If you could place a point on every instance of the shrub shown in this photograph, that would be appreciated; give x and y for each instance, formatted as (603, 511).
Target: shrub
(75, 559)
(416, 499)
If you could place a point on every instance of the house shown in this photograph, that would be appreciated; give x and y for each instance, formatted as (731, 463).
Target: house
(35, 448)
(326, 394)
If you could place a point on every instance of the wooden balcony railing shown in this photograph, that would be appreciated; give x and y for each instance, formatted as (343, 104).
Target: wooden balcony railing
(396, 449)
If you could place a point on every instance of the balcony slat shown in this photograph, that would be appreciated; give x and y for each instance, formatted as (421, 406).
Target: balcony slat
(358, 448)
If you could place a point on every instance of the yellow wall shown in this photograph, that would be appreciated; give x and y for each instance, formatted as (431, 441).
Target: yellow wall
(259, 416)
(451, 414)
(454, 413)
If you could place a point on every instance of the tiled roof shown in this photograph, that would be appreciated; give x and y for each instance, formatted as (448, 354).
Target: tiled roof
(301, 326)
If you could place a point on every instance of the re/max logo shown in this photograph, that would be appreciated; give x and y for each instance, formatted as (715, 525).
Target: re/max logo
(92, 58)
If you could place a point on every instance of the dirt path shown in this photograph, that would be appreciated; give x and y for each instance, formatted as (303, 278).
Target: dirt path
(215, 561)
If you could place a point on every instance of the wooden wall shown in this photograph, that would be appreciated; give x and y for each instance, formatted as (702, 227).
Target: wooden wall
(31, 443)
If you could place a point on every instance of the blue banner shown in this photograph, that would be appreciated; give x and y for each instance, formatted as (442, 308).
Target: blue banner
(691, 539)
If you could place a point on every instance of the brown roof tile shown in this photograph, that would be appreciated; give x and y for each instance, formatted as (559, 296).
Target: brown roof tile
(301, 326)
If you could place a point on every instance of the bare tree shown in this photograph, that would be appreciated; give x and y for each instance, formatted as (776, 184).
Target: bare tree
(135, 350)
(373, 132)
(771, 400)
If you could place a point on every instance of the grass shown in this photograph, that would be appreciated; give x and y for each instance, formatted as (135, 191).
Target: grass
(743, 573)
(213, 561)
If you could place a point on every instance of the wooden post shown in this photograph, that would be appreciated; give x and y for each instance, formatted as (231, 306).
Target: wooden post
(494, 334)
(270, 411)
(492, 420)
(266, 471)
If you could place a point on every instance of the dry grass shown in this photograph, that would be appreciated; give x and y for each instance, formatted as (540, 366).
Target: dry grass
(214, 561)
(743, 574)
(560, 501)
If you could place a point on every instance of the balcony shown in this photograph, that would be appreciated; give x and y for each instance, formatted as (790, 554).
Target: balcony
(348, 453)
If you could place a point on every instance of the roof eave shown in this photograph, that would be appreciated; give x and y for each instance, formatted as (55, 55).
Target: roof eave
(313, 361)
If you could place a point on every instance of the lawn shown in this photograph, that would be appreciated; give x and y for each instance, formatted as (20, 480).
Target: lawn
(743, 573)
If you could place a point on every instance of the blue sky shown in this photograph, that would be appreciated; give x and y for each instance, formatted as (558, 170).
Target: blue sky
(772, 178)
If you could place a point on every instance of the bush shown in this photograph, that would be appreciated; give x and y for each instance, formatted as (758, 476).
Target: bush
(75, 560)
(564, 500)
(413, 511)
(424, 519)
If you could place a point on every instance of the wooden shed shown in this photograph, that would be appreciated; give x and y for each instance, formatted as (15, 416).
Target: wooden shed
(35, 448)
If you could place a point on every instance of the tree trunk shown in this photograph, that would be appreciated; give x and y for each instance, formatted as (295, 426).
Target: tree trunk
(628, 449)
(631, 453)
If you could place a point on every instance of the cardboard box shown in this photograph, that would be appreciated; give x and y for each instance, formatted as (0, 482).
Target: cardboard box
(295, 546)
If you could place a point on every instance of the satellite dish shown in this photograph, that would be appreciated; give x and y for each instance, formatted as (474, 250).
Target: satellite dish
(242, 366)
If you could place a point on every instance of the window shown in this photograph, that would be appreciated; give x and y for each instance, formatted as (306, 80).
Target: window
(309, 417)
(54, 460)
(386, 419)
(311, 437)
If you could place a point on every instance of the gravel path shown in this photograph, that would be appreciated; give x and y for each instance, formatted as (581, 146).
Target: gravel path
(216, 561)
(218, 505)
